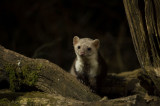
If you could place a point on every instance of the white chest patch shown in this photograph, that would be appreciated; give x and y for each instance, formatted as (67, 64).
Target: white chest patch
(79, 66)
(94, 69)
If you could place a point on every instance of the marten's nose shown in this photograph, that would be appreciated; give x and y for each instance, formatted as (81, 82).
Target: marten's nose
(82, 53)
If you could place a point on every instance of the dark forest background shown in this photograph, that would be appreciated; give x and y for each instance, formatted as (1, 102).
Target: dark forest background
(45, 29)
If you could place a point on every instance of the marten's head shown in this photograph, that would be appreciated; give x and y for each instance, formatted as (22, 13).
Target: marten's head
(85, 47)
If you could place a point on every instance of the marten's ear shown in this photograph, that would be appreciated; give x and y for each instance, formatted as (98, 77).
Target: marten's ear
(96, 43)
(75, 40)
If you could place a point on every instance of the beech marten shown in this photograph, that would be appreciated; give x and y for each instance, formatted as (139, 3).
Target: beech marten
(89, 66)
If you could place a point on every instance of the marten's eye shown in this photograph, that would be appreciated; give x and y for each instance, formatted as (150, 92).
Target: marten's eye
(89, 49)
(79, 47)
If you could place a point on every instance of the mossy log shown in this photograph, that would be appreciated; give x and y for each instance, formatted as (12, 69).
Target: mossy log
(40, 98)
(25, 73)
(21, 71)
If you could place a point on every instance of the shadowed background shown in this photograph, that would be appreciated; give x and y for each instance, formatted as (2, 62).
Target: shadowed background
(45, 29)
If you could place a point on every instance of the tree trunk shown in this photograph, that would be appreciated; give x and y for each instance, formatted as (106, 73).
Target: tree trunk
(144, 22)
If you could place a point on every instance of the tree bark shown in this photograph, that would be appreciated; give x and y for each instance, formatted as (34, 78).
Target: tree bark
(144, 22)
(41, 98)
(19, 70)
(22, 72)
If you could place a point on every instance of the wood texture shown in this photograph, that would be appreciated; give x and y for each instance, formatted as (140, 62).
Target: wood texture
(51, 78)
(45, 99)
(144, 22)
(54, 81)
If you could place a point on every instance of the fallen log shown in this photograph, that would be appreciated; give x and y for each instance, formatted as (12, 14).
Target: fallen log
(24, 73)
(40, 98)
(38, 74)
(21, 71)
